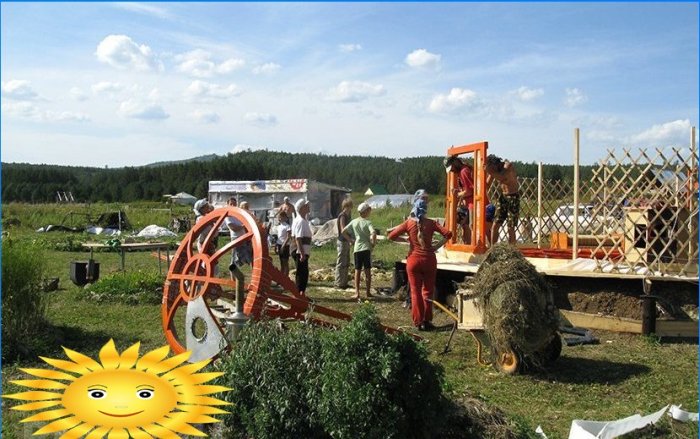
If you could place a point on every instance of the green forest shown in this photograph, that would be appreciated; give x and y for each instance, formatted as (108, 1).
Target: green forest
(40, 183)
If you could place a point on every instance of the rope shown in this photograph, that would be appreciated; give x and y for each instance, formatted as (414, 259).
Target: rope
(479, 359)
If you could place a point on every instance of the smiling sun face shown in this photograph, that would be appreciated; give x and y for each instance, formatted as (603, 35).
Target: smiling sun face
(122, 396)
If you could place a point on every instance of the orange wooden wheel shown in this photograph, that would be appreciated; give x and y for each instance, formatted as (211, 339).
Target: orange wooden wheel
(508, 362)
(191, 319)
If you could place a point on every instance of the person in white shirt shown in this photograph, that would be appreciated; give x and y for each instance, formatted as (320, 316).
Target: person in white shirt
(242, 254)
(301, 233)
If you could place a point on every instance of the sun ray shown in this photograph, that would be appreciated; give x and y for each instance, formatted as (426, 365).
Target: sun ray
(109, 356)
(129, 357)
(40, 384)
(36, 405)
(82, 360)
(49, 374)
(77, 432)
(170, 363)
(179, 425)
(194, 419)
(118, 433)
(34, 396)
(200, 378)
(66, 365)
(160, 432)
(203, 400)
(97, 433)
(201, 410)
(137, 433)
(60, 425)
(152, 358)
(186, 371)
(207, 390)
(48, 415)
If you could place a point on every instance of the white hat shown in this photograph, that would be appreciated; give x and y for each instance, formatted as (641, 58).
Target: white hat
(199, 205)
(286, 199)
(363, 207)
(300, 203)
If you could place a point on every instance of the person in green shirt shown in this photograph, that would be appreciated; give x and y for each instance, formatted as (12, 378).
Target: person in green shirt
(361, 232)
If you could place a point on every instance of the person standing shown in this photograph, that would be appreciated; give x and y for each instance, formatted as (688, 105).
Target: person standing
(464, 193)
(421, 263)
(508, 203)
(243, 253)
(342, 261)
(361, 231)
(288, 208)
(283, 241)
(301, 233)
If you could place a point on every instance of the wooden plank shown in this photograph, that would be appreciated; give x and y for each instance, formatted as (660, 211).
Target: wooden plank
(606, 323)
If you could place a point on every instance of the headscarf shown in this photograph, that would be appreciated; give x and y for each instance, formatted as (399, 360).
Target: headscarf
(420, 193)
(199, 205)
(420, 208)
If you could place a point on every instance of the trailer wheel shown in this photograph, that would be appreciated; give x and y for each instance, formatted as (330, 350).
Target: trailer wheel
(508, 362)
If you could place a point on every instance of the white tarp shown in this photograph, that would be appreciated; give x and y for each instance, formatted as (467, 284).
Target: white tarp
(154, 231)
(581, 429)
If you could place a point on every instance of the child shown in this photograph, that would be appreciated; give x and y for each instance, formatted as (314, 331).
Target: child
(362, 233)
(283, 241)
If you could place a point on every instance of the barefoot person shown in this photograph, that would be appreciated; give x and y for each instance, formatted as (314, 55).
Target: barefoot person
(508, 203)
(362, 233)
(464, 193)
(421, 264)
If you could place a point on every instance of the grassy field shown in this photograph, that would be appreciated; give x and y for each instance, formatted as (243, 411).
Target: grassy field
(621, 376)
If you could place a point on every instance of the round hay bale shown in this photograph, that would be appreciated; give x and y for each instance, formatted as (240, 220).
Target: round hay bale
(516, 303)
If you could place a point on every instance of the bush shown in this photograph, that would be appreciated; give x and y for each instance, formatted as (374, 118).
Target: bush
(133, 288)
(272, 373)
(23, 304)
(377, 386)
(350, 383)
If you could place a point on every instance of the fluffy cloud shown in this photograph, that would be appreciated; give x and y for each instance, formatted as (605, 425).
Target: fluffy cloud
(205, 116)
(19, 90)
(574, 97)
(135, 109)
(676, 132)
(27, 110)
(421, 58)
(106, 87)
(345, 48)
(355, 91)
(261, 119)
(456, 99)
(205, 91)
(122, 52)
(77, 94)
(526, 94)
(199, 63)
(266, 69)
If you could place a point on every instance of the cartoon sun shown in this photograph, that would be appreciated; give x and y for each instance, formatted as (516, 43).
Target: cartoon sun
(121, 396)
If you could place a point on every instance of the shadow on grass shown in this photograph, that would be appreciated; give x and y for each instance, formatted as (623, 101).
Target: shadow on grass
(587, 371)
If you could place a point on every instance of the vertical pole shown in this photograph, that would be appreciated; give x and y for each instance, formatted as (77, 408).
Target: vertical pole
(574, 253)
(539, 205)
(692, 196)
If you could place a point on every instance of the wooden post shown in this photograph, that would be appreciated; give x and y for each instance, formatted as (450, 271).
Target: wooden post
(574, 253)
(539, 205)
(648, 309)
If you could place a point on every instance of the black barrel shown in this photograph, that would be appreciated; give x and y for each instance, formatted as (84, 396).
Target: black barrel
(84, 272)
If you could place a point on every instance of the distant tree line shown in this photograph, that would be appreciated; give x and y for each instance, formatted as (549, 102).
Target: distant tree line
(39, 183)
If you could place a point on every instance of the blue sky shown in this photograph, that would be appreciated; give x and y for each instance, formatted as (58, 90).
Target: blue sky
(126, 84)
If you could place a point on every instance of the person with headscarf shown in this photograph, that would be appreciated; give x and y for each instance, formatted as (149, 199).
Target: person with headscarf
(421, 263)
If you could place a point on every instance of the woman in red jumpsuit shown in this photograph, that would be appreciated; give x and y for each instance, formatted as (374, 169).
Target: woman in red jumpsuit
(421, 264)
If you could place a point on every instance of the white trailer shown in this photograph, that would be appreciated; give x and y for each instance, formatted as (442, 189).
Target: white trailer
(264, 195)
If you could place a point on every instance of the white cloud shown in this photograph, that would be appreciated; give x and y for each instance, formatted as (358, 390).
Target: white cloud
(122, 52)
(77, 94)
(261, 119)
(355, 91)
(19, 90)
(136, 109)
(676, 132)
(346, 48)
(206, 116)
(457, 99)
(242, 147)
(266, 69)
(421, 58)
(526, 94)
(574, 97)
(199, 63)
(144, 9)
(28, 110)
(106, 87)
(203, 91)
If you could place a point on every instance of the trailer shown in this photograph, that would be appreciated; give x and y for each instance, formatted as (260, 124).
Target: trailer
(265, 195)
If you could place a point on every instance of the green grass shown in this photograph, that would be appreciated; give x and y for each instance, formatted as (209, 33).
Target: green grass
(621, 376)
